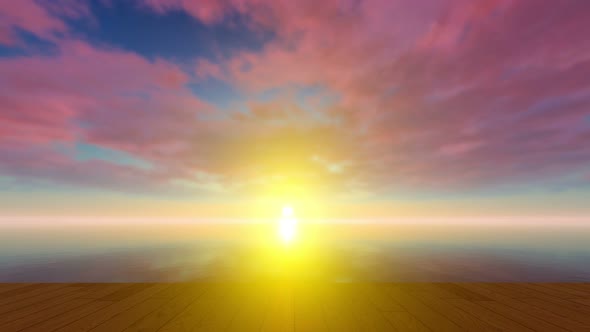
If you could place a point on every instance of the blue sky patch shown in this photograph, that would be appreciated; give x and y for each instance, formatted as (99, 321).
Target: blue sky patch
(84, 152)
(174, 35)
(216, 92)
(28, 44)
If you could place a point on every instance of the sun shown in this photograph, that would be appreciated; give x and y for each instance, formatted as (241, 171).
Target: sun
(287, 225)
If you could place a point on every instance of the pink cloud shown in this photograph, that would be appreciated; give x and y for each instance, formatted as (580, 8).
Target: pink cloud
(430, 94)
(207, 69)
(459, 148)
(110, 98)
(422, 76)
(207, 11)
(42, 96)
(40, 18)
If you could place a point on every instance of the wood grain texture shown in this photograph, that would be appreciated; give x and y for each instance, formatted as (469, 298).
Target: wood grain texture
(295, 306)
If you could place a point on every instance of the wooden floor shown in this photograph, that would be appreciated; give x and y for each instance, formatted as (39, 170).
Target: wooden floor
(289, 306)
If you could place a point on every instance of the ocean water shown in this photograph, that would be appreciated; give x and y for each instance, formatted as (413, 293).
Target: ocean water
(168, 252)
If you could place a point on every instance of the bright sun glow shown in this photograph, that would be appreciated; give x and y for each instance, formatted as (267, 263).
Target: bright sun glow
(287, 225)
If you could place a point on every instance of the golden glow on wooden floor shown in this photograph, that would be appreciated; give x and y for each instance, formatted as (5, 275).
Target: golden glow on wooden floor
(295, 306)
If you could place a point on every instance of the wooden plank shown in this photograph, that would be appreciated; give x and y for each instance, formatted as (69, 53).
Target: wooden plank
(372, 319)
(462, 293)
(434, 289)
(379, 297)
(125, 292)
(432, 319)
(582, 301)
(205, 306)
(222, 308)
(403, 321)
(253, 306)
(520, 306)
(308, 309)
(66, 317)
(575, 311)
(571, 304)
(550, 291)
(565, 310)
(520, 316)
(567, 288)
(15, 296)
(185, 320)
(41, 316)
(548, 315)
(488, 316)
(7, 288)
(18, 289)
(514, 291)
(535, 291)
(338, 309)
(162, 315)
(102, 290)
(36, 296)
(179, 289)
(289, 307)
(368, 314)
(39, 305)
(95, 319)
(577, 285)
(464, 319)
(126, 318)
(281, 314)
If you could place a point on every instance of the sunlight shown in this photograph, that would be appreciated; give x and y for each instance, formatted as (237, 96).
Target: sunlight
(287, 225)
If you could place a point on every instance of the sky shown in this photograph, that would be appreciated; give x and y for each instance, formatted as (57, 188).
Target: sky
(341, 108)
